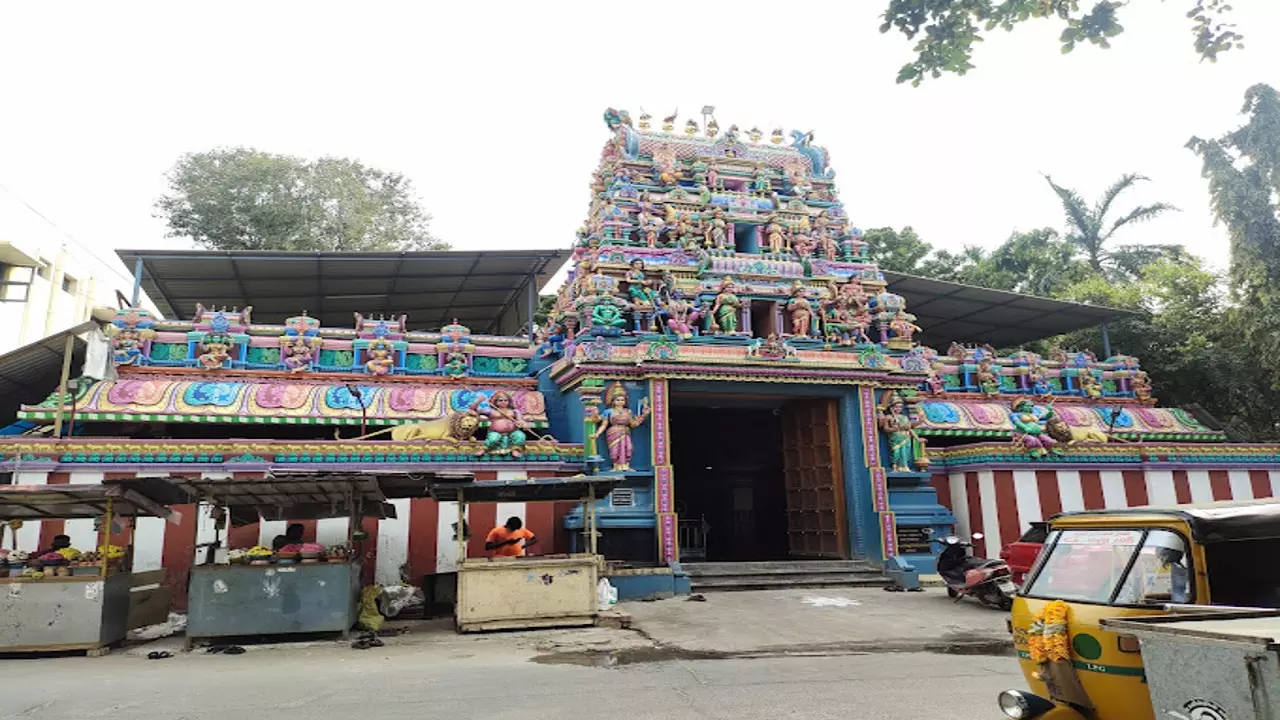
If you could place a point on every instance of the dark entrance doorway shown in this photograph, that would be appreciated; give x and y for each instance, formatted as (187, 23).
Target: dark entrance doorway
(757, 479)
(728, 470)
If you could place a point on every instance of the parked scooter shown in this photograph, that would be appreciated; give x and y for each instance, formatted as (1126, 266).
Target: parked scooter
(989, 581)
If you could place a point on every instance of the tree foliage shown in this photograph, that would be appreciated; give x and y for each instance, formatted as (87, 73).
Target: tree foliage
(1189, 328)
(1243, 169)
(948, 29)
(1089, 229)
(245, 199)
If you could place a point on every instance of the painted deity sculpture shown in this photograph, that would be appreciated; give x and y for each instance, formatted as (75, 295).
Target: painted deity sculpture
(299, 353)
(216, 355)
(760, 183)
(616, 423)
(988, 383)
(681, 316)
(638, 287)
(1090, 385)
(903, 329)
(455, 365)
(906, 448)
(934, 383)
(1037, 382)
(380, 360)
(1141, 385)
(127, 346)
(507, 427)
(1029, 428)
(800, 310)
(802, 244)
(724, 310)
(717, 230)
(777, 237)
(553, 337)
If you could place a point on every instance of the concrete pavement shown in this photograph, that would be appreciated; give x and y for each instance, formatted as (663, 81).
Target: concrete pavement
(496, 678)
(830, 620)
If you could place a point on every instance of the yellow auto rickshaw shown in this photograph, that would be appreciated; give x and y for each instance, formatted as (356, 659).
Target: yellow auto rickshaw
(1124, 563)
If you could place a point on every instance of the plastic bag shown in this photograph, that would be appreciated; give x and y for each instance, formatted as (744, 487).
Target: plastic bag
(395, 599)
(370, 619)
(606, 594)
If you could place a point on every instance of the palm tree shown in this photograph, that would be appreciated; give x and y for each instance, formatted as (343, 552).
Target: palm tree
(1087, 227)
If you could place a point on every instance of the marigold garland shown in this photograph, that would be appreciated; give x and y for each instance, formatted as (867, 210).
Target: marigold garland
(1047, 639)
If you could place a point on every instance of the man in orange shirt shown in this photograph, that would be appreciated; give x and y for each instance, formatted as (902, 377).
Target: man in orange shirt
(509, 540)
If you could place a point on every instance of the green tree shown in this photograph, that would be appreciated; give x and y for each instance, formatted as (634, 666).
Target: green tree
(245, 199)
(1089, 230)
(948, 29)
(1243, 169)
(897, 251)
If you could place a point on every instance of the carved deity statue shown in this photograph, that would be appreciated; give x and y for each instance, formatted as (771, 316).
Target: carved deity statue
(724, 309)
(216, 355)
(717, 230)
(1141, 385)
(777, 236)
(681, 316)
(902, 327)
(906, 448)
(638, 286)
(507, 426)
(800, 310)
(616, 423)
(381, 361)
(1029, 427)
(1090, 385)
(299, 352)
(988, 383)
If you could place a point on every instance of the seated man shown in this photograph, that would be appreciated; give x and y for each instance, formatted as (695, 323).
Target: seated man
(509, 540)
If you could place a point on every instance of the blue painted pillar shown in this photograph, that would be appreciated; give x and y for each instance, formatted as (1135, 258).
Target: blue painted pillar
(860, 511)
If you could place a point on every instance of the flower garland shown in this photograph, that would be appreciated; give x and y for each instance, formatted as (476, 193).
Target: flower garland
(1047, 639)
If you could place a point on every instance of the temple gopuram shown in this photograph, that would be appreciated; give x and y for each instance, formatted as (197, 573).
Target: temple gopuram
(723, 341)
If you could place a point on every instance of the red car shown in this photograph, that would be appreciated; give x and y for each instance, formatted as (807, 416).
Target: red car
(1021, 555)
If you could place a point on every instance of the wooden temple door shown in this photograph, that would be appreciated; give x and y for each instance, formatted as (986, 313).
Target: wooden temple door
(813, 480)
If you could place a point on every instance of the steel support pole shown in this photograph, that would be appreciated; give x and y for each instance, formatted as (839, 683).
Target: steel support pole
(137, 283)
(1106, 341)
(68, 349)
(533, 303)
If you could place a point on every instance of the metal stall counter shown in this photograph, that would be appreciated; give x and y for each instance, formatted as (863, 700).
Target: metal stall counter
(286, 590)
(511, 593)
(63, 599)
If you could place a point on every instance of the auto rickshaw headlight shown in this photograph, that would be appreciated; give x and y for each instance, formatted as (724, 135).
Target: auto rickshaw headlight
(1023, 706)
(1014, 705)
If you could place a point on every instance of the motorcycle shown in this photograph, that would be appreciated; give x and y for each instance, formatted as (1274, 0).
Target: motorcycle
(989, 581)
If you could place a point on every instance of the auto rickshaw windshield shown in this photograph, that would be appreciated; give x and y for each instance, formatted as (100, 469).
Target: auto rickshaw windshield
(1119, 567)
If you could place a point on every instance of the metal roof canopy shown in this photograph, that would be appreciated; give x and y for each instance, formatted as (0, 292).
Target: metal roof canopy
(485, 290)
(563, 489)
(28, 374)
(288, 497)
(128, 499)
(950, 312)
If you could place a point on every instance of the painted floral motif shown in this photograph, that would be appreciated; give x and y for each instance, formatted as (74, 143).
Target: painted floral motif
(284, 395)
(217, 394)
(137, 392)
(416, 400)
(940, 413)
(340, 398)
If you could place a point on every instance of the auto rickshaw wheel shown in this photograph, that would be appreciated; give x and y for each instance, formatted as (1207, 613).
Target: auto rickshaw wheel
(951, 592)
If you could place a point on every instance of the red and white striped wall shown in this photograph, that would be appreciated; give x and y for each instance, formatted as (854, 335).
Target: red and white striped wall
(1001, 504)
(420, 536)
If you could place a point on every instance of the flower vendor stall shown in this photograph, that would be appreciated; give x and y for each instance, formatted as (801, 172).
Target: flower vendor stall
(59, 597)
(299, 587)
(511, 593)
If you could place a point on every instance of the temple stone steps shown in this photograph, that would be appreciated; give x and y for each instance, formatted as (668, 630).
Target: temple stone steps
(783, 575)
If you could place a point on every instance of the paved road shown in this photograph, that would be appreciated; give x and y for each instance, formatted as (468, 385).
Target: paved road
(495, 682)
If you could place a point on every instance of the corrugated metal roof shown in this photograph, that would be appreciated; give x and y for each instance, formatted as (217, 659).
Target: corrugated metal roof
(30, 373)
(486, 291)
(950, 312)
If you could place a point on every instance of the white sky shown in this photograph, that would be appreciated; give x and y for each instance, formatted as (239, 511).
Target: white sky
(494, 109)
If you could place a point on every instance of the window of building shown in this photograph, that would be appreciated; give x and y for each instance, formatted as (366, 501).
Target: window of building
(69, 284)
(44, 270)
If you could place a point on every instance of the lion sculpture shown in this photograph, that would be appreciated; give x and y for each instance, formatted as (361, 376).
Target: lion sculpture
(1059, 430)
(456, 426)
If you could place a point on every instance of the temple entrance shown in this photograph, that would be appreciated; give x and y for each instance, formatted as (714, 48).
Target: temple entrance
(757, 479)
